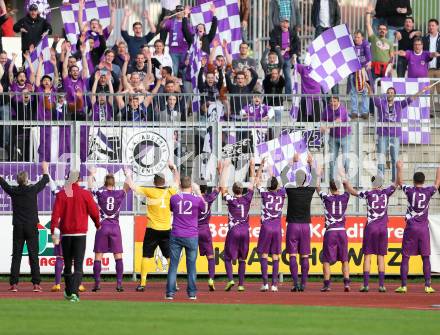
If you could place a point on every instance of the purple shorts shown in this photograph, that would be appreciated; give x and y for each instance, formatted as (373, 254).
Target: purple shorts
(108, 239)
(298, 238)
(58, 250)
(335, 247)
(416, 241)
(205, 241)
(237, 243)
(269, 241)
(375, 241)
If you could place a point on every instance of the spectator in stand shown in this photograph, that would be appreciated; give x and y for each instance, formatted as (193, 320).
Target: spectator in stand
(405, 38)
(25, 220)
(339, 138)
(391, 13)
(274, 83)
(95, 50)
(133, 110)
(168, 7)
(357, 87)
(271, 59)
(75, 85)
(139, 66)
(102, 103)
(382, 50)
(244, 61)
(286, 40)
(200, 33)
(209, 88)
(136, 42)
(311, 106)
(280, 9)
(257, 111)
(120, 50)
(32, 28)
(5, 110)
(245, 8)
(114, 69)
(418, 60)
(160, 102)
(325, 14)
(239, 88)
(162, 57)
(171, 112)
(431, 43)
(178, 47)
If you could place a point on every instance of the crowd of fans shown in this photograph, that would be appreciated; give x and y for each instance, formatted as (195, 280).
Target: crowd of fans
(137, 71)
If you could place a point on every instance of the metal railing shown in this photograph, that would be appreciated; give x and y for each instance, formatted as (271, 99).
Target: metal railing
(168, 128)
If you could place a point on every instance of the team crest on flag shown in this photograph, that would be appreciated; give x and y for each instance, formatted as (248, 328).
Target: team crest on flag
(333, 57)
(415, 118)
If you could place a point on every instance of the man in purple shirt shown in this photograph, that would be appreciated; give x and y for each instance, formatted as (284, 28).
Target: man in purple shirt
(108, 238)
(205, 237)
(186, 208)
(269, 241)
(335, 246)
(339, 138)
(178, 47)
(416, 239)
(418, 60)
(237, 238)
(375, 240)
(311, 106)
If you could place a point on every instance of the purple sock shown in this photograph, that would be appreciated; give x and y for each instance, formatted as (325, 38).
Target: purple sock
(58, 270)
(97, 272)
(211, 268)
(263, 262)
(304, 270)
(427, 270)
(366, 278)
(404, 270)
(381, 278)
(293, 270)
(119, 271)
(228, 267)
(327, 283)
(346, 281)
(241, 272)
(275, 268)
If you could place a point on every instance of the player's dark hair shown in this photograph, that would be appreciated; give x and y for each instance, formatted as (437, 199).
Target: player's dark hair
(419, 178)
(22, 178)
(159, 180)
(203, 188)
(273, 184)
(333, 186)
(109, 180)
(185, 182)
(433, 20)
(237, 188)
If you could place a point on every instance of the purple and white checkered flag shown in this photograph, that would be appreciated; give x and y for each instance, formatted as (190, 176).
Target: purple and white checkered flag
(333, 57)
(229, 27)
(43, 7)
(195, 59)
(280, 151)
(415, 118)
(94, 9)
(41, 49)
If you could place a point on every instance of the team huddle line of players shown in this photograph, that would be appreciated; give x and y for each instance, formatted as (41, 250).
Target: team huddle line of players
(175, 214)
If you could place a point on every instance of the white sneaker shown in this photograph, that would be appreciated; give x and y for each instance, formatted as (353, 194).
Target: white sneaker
(264, 288)
(274, 288)
(192, 297)
(169, 297)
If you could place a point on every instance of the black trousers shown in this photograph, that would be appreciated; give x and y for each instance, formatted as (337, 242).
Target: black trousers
(28, 234)
(74, 248)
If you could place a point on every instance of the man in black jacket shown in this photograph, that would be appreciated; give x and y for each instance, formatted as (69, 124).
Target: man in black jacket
(32, 27)
(205, 38)
(25, 220)
(327, 18)
(240, 88)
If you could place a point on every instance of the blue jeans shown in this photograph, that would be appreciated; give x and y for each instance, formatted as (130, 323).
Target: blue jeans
(355, 96)
(287, 76)
(190, 244)
(334, 144)
(177, 60)
(383, 144)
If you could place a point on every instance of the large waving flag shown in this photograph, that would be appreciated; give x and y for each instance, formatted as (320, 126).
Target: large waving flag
(195, 59)
(415, 118)
(93, 9)
(43, 7)
(229, 27)
(41, 49)
(333, 57)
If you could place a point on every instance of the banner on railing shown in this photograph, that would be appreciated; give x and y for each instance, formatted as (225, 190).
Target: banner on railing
(355, 229)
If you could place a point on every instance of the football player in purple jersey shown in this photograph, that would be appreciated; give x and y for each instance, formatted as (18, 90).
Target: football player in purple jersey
(108, 238)
(416, 238)
(375, 240)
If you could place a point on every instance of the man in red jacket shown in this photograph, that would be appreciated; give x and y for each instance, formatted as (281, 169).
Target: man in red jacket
(73, 205)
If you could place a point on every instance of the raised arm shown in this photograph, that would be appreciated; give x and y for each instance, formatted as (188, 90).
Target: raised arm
(80, 14)
(85, 65)
(91, 178)
(150, 22)
(213, 29)
(176, 174)
(260, 172)
(95, 86)
(111, 26)
(39, 71)
(437, 178)
(66, 61)
(185, 29)
(399, 177)
(368, 19)
(223, 184)
(27, 57)
(127, 14)
(53, 61)
(41, 184)
(252, 174)
(226, 53)
(11, 68)
(348, 188)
